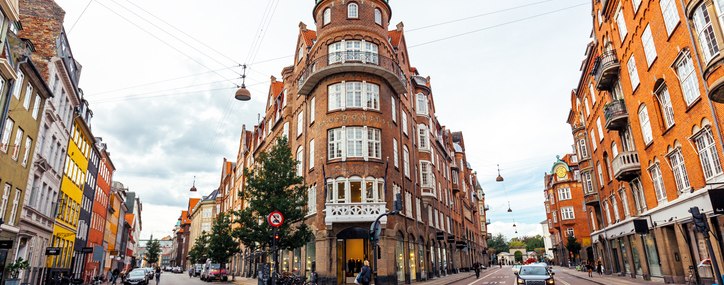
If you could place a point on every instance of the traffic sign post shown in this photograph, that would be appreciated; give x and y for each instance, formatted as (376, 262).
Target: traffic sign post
(276, 220)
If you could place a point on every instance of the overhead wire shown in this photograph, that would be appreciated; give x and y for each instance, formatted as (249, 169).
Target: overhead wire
(80, 16)
(160, 81)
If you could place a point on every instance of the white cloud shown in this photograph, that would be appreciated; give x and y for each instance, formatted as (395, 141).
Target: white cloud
(507, 229)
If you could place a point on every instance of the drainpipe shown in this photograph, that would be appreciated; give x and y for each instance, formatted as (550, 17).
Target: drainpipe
(706, 85)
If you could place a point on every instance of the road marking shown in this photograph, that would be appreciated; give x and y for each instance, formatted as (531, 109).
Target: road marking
(564, 282)
(486, 276)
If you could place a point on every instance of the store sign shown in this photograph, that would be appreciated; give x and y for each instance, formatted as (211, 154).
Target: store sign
(52, 251)
(717, 201)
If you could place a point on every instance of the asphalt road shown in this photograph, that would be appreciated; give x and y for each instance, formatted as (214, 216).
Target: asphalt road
(505, 276)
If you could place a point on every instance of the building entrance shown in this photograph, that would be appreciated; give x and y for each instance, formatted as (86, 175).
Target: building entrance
(352, 250)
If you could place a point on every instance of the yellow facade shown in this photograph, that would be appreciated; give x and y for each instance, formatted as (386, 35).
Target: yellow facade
(71, 196)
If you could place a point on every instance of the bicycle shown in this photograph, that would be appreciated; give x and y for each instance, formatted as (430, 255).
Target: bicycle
(691, 279)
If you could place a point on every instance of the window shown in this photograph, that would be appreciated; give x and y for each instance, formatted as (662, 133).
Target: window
(687, 78)
(600, 129)
(555, 216)
(593, 140)
(5, 142)
(206, 227)
(18, 139)
(593, 93)
(624, 201)
(395, 154)
(285, 132)
(426, 177)
(18, 85)
(404, 122)
(583, 148)
(312, 110)
(406, 160)
(705, 32)
(423, 137)
(355, 190)
(645, 124)
(36, 106)
(600, 18)
(600, 173)
(327, 18)
(353, 50)
(649, 46)
(570, 231)
(608, 212)
(360, 142)
(393, 109)
(679, 169)
(352, 11)
(633, 73)
(300, 123)
(312, 200)
(26, 156)
(28, 96)
(622, 31)
(655, 172)
(564, 194)
(422, 104)
(354, 95)
(311, 154)
(708, 155)
(614, 149)
(616, 215)
(378, 16)
(667, 111)
(671, 15)
(567, 213)
(14, 211)
(636, 4)
(300, 161)
(638, 195)
(588, 108)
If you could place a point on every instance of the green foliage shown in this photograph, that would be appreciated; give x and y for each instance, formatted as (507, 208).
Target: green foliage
(516, 244)
(531, 243)
(15, 267)
(221, 245)
(200, 250)
(518, 256)
(498, 243)
(153, 251)
(573, 245)
(273, 185)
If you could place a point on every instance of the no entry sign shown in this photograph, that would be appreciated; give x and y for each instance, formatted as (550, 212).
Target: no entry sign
(275, 219)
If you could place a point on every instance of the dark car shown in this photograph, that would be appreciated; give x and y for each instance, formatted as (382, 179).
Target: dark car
(534, 275)
(136, 277)
(214, 272)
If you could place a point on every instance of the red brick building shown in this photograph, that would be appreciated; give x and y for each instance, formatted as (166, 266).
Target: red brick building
(647, 135)
(564, 212)
(361, 122)
(99, 213)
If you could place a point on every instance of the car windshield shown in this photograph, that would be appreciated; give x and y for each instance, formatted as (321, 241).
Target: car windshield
(533, 270)
(215, 266)
(135, 273)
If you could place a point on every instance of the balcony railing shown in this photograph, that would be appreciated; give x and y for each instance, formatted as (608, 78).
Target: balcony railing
(354, 212)
(616, 115)
(487, 207)
(606, 70)
(487, 222)
(352, 61)
(591, 199)
(626, 166)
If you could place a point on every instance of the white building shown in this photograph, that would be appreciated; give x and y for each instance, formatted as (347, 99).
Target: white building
(547, 239)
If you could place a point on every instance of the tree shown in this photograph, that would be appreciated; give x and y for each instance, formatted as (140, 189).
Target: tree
(273, 185)
(515, 243)
(153, 250)
(221, 244)
(200, 250)
(498, 243)
(531, 243)
(573, 245)
(518, 256)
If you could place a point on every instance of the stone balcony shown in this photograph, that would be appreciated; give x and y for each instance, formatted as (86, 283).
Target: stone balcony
(354, 212)
(626, 166)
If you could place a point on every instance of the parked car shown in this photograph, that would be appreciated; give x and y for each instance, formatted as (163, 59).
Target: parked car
(178, 269)
(535, 274)
(149, 272)
(197, 269)
(214, 272)
(136, 277)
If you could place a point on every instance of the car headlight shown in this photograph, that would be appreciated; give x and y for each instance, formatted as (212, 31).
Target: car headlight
(521, 281)
(550, 281)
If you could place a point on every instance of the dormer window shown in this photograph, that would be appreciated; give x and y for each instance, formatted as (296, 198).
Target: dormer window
(352, 11)
(327, 16)
(378, 16)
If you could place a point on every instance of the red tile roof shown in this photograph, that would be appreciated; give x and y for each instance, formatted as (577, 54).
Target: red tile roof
(192, 203)
(309, 37)
(395, 37)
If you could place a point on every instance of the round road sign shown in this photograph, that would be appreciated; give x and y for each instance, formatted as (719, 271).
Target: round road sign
(275, 219)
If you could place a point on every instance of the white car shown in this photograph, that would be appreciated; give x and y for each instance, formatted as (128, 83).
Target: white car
(516, 268)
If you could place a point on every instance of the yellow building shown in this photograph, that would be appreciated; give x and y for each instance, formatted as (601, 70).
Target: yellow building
(69, 202)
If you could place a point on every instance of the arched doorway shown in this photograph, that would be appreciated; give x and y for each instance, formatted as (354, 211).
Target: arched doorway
(352, 250)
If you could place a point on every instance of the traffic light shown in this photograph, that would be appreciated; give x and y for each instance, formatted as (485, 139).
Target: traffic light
(699, 220)
(276, 237)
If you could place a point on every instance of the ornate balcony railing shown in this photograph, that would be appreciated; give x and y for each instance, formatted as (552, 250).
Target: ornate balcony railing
(354, 212)
(626, 166)
(352, 61)
(616, 115)
(606, 69)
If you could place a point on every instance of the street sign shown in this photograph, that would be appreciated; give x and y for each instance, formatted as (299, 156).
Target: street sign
(275, 219)
(52, 251)
(6, 244)
(86, 250)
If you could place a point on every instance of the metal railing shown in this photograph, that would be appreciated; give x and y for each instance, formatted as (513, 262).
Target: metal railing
(614, 110)
(352, 57)
(606, 60)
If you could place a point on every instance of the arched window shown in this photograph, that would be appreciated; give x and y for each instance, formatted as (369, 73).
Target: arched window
(352, 11)
(327, 16)
(614, 149)
(300, 159)
(645, 124)
(378, 16)
(667, 111)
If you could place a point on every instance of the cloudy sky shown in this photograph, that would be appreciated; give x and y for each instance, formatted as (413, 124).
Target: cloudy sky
(160, 76)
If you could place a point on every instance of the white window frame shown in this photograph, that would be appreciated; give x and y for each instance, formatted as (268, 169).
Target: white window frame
(583, 148)
(658, 181)
(26, 155)
(564, 194)
(705, 32)
(28, 96)
(7, 134)
(353, 95)
(708, 154)
(568, 213)
(312, 110)
(645, 124)
(367, 143)
(670, 15)
(312, 200)
(427, 179)
(353, 50)
(311, 154)
(667, 111)
(352, 11)
(395, 153)
(593, 140)
(633, 73)
(406, 160)
(19, 133)
(600, 129)
(404, 122)
(18, 85)
(36, 106)
(393, 109)
(624, 202)
(423, 137)
(422, 105)
(300, 161)
(687, 78)
(678, 167)
(378, 16)
(327, 16)
(621, 22)
(300, 123)
(649, 46)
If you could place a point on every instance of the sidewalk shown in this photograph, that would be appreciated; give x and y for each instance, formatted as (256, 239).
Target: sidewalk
(452, 278)
(603, 280)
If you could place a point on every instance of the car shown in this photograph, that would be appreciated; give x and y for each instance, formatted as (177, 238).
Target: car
(178, 269)
(516, 268)
(534, 274)
(197, 269)
(213, 272)
(136, 277)
(149, 272)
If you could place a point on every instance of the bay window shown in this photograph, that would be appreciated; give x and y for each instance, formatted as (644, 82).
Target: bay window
(357, 94)
(355, 189)
(353, 50)
(362, 142)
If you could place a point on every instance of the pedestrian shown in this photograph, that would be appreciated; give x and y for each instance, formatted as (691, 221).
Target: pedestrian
(263, 275)
(158, 274)
(114, 275)
(191, 271)
(589, 268)
(476, 267)
(599, 267)
(365, 274)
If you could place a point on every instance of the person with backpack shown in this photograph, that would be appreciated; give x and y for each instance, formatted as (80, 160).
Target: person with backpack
(365, 274)
(476, 267)
(158, 274)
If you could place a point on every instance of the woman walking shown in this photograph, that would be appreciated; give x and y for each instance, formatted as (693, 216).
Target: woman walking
(365, 274)
(599, 267)
(589, 268)
(158, 275)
